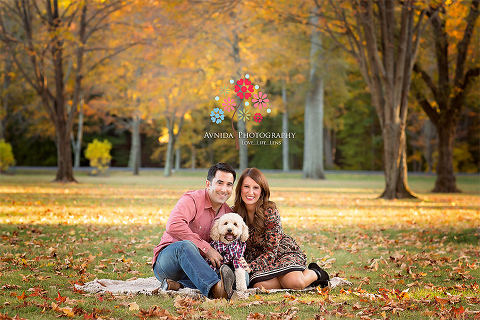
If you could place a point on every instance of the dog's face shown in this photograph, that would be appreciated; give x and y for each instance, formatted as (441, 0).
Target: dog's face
(228, 228)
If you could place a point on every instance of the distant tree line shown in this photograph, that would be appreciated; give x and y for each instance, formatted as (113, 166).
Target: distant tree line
(365, 85)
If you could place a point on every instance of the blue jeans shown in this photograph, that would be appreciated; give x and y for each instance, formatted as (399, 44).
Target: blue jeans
(181, 261)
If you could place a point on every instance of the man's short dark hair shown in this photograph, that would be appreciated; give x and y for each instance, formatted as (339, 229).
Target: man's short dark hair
(222, 166)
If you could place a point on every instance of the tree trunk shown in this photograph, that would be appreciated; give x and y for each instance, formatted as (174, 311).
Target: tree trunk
(33, 61)
(416, 164)
(285, 142)
(450, 88)
(62, 128)
(313, 136)
(403, 191)
(241, 125)
(327, 135)
(135, 148)
(387, 63)
(372, 138)
(167, 172)
(313, 146)
(6, 96)
(77, 144)
(172, 138)
(177, 158)
(211, 151)
(194, 151)
(243, 151)
(64, 153)
(395, 160)
(446, 181)
(1, 130)
(430, 134)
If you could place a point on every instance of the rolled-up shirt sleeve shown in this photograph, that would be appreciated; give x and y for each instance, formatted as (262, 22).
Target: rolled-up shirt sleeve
(180, 224)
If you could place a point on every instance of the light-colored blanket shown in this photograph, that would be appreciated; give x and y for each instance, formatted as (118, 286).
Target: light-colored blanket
(150, 286)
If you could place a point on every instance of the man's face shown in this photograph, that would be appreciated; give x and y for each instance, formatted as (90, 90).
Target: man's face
(220, 189)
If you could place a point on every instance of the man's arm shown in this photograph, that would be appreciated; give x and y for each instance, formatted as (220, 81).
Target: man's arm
(178, 223)
(178, 227)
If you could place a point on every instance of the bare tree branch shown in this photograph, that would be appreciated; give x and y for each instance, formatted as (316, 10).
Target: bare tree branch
(465, 42)
(426, 78)
(427, 107)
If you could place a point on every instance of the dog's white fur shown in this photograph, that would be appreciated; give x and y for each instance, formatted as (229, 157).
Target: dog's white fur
(234, 223)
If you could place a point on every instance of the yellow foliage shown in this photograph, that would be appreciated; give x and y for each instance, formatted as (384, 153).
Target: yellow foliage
(164, 136)
(6, 155)
(99, 155)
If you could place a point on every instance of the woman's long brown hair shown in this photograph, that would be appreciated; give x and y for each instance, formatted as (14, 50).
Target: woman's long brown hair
(263, 202)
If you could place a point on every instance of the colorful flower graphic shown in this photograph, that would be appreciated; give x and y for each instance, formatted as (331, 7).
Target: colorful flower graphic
(258, 117)
(228, 104)
(217, 115)
(243, 115)
(224, 90)
(260, 100)
(246, 90)
(242, 86)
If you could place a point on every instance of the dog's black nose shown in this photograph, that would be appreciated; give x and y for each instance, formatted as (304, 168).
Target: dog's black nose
(229, 230)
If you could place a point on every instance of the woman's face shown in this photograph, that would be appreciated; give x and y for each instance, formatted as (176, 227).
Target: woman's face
(251, 191)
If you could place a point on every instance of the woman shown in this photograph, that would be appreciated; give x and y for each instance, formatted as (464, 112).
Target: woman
(274, 258)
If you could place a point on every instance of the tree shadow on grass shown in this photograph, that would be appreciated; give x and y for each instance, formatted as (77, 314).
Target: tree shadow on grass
(464, 236)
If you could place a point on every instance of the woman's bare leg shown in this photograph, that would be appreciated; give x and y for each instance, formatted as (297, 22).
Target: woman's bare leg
(269, 284)
(297, 280)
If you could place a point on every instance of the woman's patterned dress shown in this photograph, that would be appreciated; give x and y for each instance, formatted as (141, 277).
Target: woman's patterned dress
(272, 253)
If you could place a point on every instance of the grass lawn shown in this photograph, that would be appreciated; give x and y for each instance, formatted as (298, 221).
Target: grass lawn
(413, 259)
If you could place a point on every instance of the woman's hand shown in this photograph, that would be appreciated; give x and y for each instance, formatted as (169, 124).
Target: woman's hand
(244, 264)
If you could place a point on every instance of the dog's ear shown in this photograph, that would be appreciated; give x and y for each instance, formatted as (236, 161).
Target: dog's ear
(214, 232)
(244, 236)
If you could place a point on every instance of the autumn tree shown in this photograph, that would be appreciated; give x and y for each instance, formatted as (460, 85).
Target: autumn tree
(235, 28)
(175, 88)
(58, 42)
(6, 68)
(384, 37)
(456, 67)
(121, 103)
(15, 96)
(285, 53)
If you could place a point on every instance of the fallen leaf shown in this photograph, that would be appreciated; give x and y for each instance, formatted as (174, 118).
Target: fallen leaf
(133, 306)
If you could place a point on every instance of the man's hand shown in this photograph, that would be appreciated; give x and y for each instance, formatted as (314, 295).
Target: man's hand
(244, 264)
(214, 257)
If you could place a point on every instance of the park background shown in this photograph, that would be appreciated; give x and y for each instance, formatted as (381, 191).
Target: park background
(390, 88)
(364, 86)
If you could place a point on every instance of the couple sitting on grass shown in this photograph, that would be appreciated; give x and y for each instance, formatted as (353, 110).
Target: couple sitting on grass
(274, 259)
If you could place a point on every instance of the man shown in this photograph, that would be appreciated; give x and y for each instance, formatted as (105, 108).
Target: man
(178, 259)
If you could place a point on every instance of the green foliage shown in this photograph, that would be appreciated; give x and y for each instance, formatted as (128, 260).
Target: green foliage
(462, 159)
(34, 151)
(6, 156)
(359, 139)
(269, 156)
(99, 155)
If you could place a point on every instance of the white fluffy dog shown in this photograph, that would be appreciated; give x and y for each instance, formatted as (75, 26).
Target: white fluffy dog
(229, 234)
